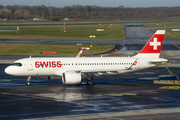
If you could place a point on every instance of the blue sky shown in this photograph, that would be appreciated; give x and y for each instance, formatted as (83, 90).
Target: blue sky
(111, 3)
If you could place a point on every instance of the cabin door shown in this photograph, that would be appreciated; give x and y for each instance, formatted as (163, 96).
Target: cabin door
(30, 65)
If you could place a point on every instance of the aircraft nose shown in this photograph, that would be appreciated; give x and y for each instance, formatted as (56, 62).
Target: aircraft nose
(8, 70)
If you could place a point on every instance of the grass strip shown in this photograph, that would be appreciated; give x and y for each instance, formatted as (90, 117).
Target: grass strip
(61, 49)
(73, 32)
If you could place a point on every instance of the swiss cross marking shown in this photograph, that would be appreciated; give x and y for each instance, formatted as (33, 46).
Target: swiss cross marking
(155, 43)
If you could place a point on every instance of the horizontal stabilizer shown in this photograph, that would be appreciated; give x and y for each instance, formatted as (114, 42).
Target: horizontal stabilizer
(159, 61)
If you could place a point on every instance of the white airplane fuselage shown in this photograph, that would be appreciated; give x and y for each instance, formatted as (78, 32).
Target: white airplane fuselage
(57, 66)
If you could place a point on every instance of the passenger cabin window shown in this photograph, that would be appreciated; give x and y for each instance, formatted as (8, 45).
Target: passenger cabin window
(17, 64)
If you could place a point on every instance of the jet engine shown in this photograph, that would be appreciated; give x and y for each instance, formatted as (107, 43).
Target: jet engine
(71, 78)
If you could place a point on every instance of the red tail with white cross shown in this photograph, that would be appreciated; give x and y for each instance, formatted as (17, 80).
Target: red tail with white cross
(153, 47)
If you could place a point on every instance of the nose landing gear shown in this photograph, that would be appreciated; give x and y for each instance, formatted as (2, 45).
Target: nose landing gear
(28, 81)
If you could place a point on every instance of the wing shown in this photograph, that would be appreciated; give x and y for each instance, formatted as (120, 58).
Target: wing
(98, 72)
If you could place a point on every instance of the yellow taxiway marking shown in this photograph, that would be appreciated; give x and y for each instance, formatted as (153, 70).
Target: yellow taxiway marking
(170, 87)
(165, 75)
(139, 73)
(172, 82)
(143, 73)
(5, 80)
(149, 72)
(121, 94)
(177, 46)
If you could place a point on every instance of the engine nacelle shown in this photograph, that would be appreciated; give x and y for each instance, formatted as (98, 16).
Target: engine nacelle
(71, 78)
(54, 78)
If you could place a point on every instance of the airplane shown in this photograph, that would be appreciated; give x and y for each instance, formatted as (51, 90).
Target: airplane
(72, 70)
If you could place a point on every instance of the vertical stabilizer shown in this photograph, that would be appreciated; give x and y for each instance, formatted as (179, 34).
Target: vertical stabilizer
(153, 47)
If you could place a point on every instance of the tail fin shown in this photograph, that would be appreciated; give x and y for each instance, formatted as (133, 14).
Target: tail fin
(81, 50)
(153, 47)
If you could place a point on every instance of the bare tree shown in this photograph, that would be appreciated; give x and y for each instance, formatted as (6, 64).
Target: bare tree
(79, 12)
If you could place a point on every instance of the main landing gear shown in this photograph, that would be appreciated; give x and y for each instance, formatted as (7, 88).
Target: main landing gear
(28, 81)
(89, 82)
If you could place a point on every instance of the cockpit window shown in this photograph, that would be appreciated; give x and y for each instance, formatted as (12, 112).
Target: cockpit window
(17, 64)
